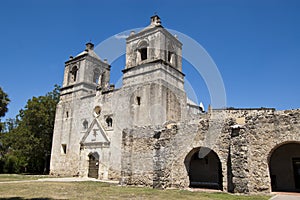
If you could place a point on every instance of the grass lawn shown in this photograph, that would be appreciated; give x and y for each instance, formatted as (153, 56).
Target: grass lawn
(20, 177)
(98, 190)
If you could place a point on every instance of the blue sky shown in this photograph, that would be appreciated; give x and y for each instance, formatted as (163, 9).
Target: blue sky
(255, 44)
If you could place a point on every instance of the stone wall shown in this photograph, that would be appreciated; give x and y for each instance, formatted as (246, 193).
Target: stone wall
(137, 156)
(160, 156)
(266, 133)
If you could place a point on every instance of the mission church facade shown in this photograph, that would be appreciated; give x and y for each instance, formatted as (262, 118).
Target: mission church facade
(149, 133)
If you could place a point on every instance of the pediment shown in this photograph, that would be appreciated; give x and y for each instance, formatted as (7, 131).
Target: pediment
(95, 135)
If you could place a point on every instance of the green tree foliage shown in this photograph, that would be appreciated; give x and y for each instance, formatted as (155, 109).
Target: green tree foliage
(26, 146)
(4, 100)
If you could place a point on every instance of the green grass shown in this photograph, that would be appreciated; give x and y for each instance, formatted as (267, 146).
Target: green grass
(20, 177)
(23, 177)
(98, 190)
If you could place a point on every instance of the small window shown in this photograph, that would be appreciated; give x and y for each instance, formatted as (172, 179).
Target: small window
(67, 114)
(85, 124)
(64, 148)
(109, 121)
(138, 100)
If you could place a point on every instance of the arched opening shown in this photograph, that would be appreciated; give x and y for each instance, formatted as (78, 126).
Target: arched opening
(143, 50)
(93, 165)
(96, 76)
(171, 55)
(73, 73)
(284, 166)
(204, 168)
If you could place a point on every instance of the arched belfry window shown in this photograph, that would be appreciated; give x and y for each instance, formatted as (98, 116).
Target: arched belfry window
(96, 75)
(171, 56)
(73, 73)
(143, 50)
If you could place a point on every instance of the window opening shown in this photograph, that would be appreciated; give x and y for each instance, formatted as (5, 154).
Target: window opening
(74, 73)
(109, 121)
(64, 148)
(96, 76)
(169, 56)
(85, 124)
(138, 100)
(143, 52)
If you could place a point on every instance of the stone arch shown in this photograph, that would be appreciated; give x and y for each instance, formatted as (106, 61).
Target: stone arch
(284, 166)
(204, 168)
(93, 170)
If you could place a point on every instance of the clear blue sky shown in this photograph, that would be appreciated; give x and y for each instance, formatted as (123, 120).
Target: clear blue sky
(255, 44)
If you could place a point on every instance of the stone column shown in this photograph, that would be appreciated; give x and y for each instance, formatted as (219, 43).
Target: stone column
(238, 168)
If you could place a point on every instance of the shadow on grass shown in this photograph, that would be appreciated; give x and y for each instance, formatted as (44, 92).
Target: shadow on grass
(21, 198)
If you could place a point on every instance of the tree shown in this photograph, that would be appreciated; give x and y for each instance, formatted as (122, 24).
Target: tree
(4, 100)
(29, 143)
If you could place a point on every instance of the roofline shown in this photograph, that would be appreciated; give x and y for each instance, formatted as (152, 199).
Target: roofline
(150, 30)
(81, 57)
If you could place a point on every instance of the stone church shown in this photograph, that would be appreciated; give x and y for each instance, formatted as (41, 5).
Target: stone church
(149, 133)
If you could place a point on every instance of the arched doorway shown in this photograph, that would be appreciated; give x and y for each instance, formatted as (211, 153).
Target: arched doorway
(204, 168)
(284, 166)
(93, 165)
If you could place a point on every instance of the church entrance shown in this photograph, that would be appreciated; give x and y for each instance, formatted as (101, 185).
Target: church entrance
(93, 165)
(284, 166)
(204, 169)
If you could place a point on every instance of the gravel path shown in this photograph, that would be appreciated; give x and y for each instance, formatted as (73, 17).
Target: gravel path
(286, 196)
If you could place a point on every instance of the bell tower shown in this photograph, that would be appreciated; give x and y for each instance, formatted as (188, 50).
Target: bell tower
(154, 53)
(84, 72)
(153, 75)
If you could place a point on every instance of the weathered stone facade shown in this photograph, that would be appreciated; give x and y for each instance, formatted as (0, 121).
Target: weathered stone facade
(147, 133)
